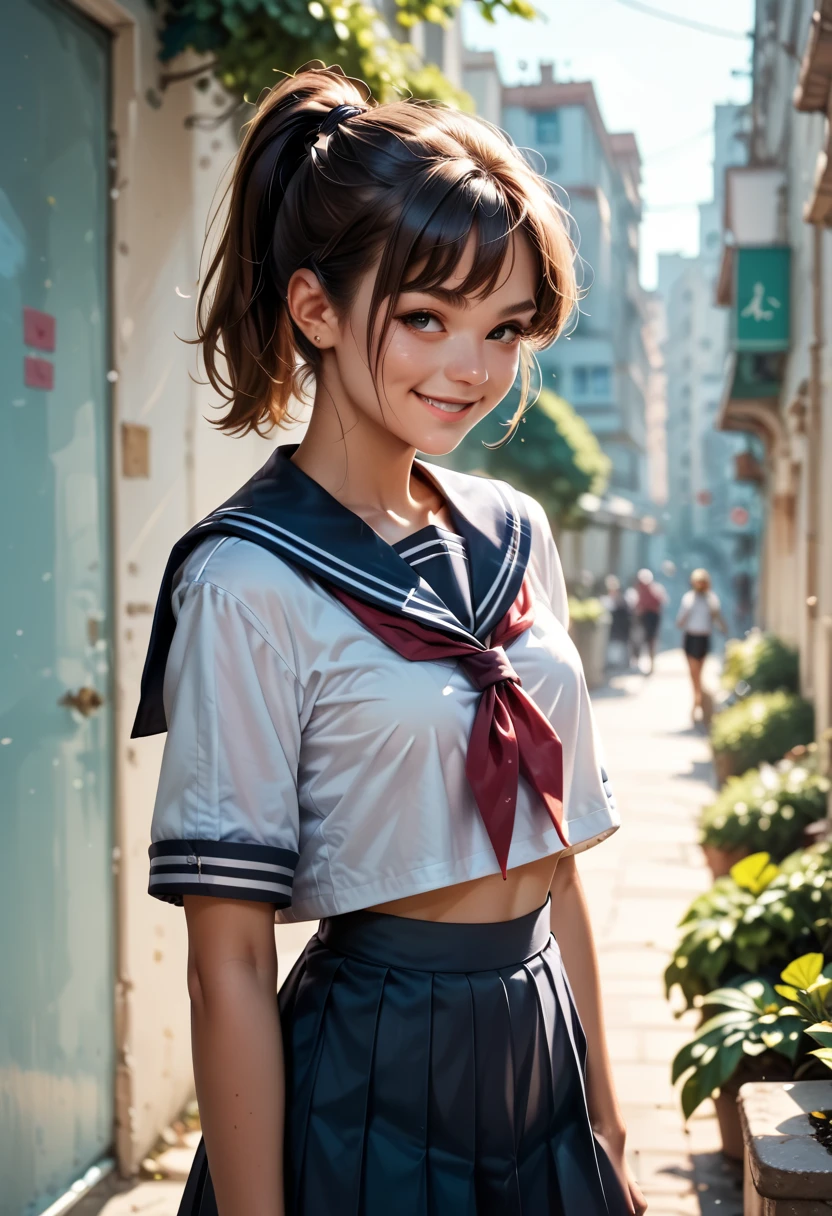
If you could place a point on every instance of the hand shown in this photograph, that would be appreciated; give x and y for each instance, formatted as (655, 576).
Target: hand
(613, 1145)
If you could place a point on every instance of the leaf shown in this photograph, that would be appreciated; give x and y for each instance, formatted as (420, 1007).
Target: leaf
(731, 998)
(803, 972)
(754, 873)
(821, 1032)
(824, 1054)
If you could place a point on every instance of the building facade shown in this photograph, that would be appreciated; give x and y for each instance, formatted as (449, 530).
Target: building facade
(712, 519)
(775, 282)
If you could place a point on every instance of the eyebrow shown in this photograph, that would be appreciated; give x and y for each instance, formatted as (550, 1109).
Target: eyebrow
(459, 299)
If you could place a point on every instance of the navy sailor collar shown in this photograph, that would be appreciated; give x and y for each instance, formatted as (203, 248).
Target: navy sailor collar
(287, 512)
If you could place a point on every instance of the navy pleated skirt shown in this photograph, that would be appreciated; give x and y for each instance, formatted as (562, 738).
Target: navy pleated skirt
(433, 1069)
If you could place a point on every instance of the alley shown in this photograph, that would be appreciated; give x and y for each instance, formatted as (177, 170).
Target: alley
(639, 884)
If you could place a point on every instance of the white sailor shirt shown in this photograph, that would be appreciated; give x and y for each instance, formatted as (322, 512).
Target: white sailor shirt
(309, 765)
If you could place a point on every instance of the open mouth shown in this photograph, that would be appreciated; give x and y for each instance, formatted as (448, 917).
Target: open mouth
(445, 406)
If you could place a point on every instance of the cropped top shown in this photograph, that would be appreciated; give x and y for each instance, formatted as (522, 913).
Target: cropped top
(309, 765)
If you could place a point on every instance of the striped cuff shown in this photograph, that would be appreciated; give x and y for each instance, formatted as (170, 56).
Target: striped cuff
(222, 869)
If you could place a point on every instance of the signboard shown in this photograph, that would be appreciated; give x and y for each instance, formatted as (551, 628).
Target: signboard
(762, 298)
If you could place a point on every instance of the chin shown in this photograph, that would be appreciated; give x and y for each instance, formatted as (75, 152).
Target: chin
(439, 445)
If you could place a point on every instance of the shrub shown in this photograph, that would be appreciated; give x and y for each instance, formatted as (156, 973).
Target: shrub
(590, 610)
(761, 729)
(752, 919)
(766, 809)
(760, 662)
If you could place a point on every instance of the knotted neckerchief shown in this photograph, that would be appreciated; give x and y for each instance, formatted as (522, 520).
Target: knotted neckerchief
(510, 734)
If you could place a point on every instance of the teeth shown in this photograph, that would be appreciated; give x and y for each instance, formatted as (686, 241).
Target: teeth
(446, 406)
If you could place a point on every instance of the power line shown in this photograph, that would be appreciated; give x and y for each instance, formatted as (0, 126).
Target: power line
(720, 31)
(682, 143)
(672, 206)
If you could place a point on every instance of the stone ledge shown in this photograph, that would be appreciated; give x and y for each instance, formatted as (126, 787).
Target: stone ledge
(783, 1158)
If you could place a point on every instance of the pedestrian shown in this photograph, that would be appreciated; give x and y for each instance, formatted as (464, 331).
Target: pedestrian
(619, 606)
(342, 655)
(651, 598)
(699, 612)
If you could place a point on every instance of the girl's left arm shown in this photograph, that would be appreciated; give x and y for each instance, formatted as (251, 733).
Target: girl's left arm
(573, 933)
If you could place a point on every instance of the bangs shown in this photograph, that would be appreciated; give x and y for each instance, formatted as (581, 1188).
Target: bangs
(440, 225)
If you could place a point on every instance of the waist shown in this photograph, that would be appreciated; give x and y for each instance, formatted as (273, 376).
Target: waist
(422, 945)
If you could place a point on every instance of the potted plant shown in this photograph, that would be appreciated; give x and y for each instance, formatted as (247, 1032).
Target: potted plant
(589, 628)
(760, 662)
(751, 920)
(767, 809)
(757, 1031)
(759, 729)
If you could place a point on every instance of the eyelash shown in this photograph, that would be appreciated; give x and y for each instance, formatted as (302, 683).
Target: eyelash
(407, 318)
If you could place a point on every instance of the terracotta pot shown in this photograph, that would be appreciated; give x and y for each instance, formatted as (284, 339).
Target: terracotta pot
(720, 860)
(730, 1128)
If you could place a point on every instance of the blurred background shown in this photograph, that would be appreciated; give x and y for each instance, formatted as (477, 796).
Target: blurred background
(684, 422)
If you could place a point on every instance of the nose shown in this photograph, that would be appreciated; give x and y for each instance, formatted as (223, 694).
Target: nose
(467, 364)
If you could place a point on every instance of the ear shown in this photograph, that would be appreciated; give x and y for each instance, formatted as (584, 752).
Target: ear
(310, 309)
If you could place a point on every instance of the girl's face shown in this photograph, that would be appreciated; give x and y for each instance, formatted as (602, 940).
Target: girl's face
(447, 359)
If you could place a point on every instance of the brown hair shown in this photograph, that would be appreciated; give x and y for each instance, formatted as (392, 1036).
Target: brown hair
(403, 185)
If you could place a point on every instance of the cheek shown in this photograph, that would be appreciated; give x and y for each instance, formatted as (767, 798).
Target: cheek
(503, 362)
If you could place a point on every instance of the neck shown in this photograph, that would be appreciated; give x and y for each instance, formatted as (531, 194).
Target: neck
(366, 467)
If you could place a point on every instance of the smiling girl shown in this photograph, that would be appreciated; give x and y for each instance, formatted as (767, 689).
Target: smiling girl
(375, 716)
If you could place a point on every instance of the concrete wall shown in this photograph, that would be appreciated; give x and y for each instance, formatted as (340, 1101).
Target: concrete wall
(167, 177)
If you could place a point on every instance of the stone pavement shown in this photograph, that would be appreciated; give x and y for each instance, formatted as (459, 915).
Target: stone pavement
(639, 883)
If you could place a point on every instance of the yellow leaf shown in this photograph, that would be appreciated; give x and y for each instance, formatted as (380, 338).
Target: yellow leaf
(803, 972)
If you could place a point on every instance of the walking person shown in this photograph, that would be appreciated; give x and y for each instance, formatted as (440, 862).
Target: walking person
(340, 656)
(618, 603)
(651, 598)
(699, 612)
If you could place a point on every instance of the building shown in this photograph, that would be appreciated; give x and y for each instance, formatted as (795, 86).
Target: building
(712, 519)
(775, 279)
(603, 370)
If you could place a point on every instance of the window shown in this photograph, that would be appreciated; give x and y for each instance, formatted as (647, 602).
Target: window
(591, 382)
(547, 127)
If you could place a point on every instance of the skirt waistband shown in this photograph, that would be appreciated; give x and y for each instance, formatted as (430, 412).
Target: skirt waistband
(424, 945)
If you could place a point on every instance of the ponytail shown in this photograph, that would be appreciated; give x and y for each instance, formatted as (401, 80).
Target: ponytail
(250, 345)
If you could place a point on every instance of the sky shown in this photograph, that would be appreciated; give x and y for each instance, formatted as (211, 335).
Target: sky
(658, 79)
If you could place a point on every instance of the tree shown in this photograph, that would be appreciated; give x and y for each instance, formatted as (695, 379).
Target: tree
(250, 40)
(554, 456)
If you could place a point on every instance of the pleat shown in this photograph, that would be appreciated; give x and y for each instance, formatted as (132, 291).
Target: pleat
(573, 1145)
(336, 1127)
(498, 1192)
(533, 1100)
(396, 1139)
(452, 1104)
(303, 1001)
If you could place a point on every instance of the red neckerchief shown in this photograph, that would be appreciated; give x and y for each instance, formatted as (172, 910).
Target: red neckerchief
(510, 734)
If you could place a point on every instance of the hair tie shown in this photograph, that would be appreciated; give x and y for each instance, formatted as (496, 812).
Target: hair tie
(331, 121)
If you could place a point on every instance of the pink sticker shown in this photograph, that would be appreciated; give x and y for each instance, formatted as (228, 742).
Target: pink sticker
(38, 373)
(38, 329)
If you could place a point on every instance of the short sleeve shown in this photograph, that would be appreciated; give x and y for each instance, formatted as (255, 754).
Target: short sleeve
(590, 810)
(226, 816)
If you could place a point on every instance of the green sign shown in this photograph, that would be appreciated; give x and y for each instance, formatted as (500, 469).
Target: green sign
(761, 298)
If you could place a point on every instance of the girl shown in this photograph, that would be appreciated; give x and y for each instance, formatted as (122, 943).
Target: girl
(375, 716)
(699, 611)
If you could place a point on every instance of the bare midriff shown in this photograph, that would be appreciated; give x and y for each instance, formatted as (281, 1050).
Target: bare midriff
(483, 900)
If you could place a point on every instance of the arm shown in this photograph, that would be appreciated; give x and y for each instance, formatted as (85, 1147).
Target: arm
(237, 1050)
(573, 932)
(684, 612)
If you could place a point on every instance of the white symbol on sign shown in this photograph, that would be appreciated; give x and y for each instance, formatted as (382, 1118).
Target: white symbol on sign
(756, 306)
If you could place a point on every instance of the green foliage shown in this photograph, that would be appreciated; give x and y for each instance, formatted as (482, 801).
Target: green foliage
(252, 40)
(762, 728)
(590, 611)
(749, 1019)
(760, 662)
(554, 456)
(752, 919)
(766, 808)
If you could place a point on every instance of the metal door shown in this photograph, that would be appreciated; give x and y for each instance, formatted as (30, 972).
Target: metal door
(56, 905)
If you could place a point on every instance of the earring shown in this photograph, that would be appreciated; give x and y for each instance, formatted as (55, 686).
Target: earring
(317, 337)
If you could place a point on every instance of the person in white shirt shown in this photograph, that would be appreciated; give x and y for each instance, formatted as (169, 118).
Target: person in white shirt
(699, 612)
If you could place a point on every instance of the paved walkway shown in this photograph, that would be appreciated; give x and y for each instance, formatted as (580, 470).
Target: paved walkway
(639, 884)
